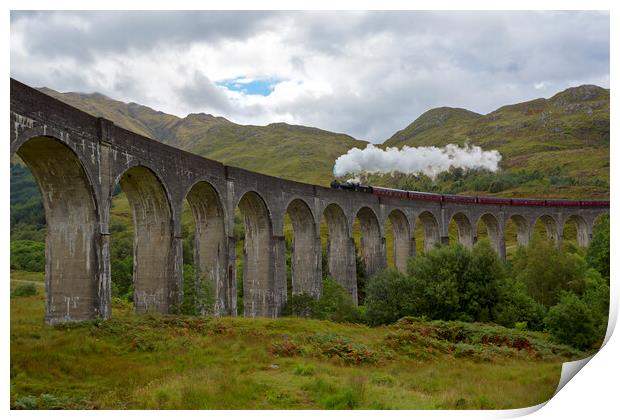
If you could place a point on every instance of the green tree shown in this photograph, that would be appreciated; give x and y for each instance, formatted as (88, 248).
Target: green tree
(28, 256)
(515, 305)
(335, 304)
(571, 322)
(121, 262)
(361, 278)
(300, 305)
(436, 275)
(453, 282)
(479, 288)
(598, 251)
(389, 296)
(596, 298)
(198, 293)
(546, 270)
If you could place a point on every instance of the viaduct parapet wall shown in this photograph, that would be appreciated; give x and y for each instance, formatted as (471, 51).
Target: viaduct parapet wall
(78, 160)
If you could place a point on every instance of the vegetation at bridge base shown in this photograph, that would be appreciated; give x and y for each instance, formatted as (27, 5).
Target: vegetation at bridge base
(546, 269)
(453, 283)
(598, 251)
(198, 294)
(334, 304)
(445, 283)
(544, 287)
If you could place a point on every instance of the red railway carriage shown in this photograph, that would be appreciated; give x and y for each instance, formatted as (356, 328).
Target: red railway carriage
(494, 200)
(389, 192)
(526, 202)
(465, 199)
(562, 203)
(594, 203)
(459, 199)
(415, 195)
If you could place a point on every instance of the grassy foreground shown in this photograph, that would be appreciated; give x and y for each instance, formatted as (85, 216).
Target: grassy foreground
(173, 362)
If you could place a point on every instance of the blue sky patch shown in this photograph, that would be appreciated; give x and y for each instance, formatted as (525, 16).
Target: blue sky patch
(248, 86)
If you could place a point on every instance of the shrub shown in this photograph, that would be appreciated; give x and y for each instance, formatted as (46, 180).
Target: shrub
(285, 348)
(480, 286)
(422, 339)
(335, 304)
(198, 293)
(596, 298)
(435, 276)
(570, 321)
(546, 270)
(389, 297)
(334, 346)
(28, 256)
(598, 251)
(24, 290)
(361, 278)
(516, 307)
(300, 305)
(121, 261)
(454, 283)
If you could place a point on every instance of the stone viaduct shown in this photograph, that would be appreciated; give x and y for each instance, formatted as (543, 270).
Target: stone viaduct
(78, 160)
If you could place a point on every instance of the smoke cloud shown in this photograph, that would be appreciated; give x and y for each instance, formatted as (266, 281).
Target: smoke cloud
(415, 160)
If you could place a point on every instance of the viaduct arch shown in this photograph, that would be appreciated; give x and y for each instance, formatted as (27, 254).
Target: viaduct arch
(78, 159)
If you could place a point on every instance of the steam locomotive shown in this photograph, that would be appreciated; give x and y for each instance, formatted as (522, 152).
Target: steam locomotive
(464, 199)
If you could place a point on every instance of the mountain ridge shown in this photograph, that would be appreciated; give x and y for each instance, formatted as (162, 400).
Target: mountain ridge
(309, 151)
(567, 133)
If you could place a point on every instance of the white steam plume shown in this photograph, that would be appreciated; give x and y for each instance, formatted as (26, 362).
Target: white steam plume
(415, 160)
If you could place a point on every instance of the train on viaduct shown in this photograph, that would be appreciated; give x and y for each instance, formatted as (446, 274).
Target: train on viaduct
(78, 160)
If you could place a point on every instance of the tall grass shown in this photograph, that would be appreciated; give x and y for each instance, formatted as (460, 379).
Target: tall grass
(155, 362)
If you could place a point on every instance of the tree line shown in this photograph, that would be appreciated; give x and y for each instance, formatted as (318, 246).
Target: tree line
(562, 290)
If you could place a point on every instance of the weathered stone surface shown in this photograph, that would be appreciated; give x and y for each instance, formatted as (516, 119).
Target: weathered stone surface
(78, 160)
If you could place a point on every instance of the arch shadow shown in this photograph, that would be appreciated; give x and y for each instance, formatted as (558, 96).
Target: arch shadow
(214, 287)
(157, 284)
(430, 227)
(403, 248)
(340, 249)
(258, 285)
(75, 289)
(306, 255)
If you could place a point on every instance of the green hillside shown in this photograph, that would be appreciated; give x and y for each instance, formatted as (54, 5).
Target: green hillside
(567, 135)
(290, 151)
(556, 147)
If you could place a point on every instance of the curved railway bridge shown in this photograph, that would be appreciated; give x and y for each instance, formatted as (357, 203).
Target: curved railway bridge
(78, 160)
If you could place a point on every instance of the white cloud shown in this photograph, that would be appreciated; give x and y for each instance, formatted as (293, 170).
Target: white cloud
(415, 160)
(367, 74)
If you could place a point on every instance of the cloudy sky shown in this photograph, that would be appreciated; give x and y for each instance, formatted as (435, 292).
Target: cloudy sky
(367, 74)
